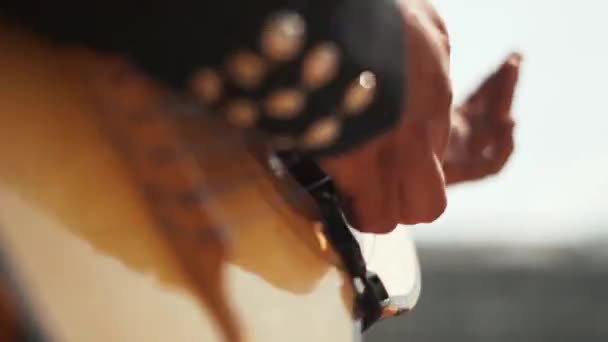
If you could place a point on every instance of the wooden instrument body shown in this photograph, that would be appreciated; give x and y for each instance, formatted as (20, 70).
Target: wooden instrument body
(89, 253)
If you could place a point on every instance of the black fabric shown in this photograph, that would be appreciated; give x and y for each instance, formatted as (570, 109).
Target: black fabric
(371, 299)
(172, 39)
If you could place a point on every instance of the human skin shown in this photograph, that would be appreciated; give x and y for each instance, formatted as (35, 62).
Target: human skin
(401, 176)
(481, 139)
(397, 178)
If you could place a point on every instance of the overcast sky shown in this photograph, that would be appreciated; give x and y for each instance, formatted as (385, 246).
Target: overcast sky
(555, 188)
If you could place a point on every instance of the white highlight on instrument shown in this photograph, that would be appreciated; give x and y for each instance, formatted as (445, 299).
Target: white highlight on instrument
(394, 259)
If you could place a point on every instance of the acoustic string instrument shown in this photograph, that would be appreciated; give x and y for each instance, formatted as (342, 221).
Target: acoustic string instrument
(170, 225)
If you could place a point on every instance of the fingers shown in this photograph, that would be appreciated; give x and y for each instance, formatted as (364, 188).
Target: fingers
(501, 150)
(487, 114)
(505, 84)
(488, 159)
(484, 155)
(493, 98)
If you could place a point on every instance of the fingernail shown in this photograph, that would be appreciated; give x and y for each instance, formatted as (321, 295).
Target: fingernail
(515, 59)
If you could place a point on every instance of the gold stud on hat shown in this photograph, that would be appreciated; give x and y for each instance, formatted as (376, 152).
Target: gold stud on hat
(322, 133)
(283, 36)
(241, 113)
(246, 69)
(320, 65)
(207, 85)
(285, 103)
(360, 93)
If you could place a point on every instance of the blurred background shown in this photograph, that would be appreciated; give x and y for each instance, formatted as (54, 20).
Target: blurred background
(523, 256)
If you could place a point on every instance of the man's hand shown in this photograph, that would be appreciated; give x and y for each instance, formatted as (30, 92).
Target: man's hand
(481, 139)
(398, 177)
